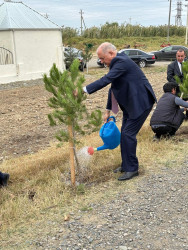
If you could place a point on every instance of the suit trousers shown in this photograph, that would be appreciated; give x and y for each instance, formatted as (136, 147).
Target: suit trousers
(129, 131)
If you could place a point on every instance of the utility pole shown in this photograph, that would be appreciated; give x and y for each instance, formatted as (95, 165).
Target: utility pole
(169, 20)
(82, 21)
(178, 20)
(186, 24)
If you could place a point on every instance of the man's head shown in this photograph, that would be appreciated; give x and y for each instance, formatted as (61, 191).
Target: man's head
(106, 52)
(180, 55)
(170, 87)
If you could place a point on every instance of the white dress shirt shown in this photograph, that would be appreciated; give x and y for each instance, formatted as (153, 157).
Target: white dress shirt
(180, 66)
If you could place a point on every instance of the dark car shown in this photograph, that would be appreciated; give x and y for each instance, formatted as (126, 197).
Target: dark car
(72, 53)
(139, 57)
(169, 52)
(102, 65)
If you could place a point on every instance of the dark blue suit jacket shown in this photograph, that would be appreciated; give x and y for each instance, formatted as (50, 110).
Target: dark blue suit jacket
(173, 70)
(130, 87)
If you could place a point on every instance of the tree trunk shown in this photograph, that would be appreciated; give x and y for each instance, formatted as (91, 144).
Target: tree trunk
(87, 65)
(71, 148)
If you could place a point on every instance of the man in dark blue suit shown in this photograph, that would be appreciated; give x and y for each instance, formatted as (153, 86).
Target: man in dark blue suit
(134, 96)
(175, 68)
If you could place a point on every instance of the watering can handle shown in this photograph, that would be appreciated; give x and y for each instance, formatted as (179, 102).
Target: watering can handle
(111, 117)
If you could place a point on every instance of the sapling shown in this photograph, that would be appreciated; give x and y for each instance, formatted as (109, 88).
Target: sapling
(184, 84)
(69, 109)
(87, 54)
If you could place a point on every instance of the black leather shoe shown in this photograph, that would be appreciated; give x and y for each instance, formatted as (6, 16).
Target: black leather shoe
(119, 169)
(4, 180)
(128, 176)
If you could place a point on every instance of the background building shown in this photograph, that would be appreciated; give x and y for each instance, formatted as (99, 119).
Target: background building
(29, 43)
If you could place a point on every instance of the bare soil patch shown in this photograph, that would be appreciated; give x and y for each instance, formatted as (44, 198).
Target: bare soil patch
(24, 123)
(23, 114)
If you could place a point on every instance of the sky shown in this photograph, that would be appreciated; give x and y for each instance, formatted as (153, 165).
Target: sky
(97, 12)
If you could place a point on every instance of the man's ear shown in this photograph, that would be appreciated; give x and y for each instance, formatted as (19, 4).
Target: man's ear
(112, 53)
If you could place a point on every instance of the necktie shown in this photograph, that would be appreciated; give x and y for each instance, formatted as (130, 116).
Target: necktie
(115, 108)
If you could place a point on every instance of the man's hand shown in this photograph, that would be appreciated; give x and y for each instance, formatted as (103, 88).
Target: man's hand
(75, 92)
(106, 115)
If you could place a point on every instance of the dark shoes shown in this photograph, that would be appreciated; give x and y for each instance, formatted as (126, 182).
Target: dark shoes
(4, 179)
(119, 169)
(128, 176)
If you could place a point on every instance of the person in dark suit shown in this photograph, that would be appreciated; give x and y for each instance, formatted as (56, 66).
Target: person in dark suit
(175, 69)
(134, 95)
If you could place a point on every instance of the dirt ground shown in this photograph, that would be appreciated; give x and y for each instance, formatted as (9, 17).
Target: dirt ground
(23, 114)
(24, 123)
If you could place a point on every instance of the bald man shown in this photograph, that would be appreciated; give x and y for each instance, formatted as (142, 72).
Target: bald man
(135, 97)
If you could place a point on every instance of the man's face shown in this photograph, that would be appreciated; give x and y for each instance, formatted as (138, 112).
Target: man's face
(180, 56)
(174, 91)
(106, 57)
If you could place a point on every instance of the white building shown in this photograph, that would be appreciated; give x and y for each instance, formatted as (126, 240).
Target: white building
(29, 43)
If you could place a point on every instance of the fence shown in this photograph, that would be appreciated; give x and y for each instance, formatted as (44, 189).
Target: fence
(6, 56)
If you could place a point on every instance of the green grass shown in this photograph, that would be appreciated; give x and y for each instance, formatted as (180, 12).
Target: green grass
(151, 43)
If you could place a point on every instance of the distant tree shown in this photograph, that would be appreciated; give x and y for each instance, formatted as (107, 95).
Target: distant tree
(70, 55)
(87, 54)
(70, 110)
(68, 32)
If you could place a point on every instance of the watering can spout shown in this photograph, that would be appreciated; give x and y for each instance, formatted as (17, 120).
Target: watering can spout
(105, 146)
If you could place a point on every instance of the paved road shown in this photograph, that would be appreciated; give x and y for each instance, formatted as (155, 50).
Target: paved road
(93, 63)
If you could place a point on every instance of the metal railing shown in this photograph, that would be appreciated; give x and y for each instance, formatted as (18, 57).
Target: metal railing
(6, 56)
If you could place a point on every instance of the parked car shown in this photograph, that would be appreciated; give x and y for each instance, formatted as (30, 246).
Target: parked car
(139, 57)
(72, 53)
(102, 65)
(169, 52)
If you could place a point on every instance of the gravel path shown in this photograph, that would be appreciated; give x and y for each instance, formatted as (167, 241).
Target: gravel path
(155, 216)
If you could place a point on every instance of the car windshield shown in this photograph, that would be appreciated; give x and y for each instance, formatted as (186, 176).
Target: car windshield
(126, 52)
(79, 53)
(167, 49)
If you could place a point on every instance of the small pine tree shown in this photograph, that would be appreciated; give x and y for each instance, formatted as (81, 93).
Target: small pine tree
(70, 55)
(87, 54)
(68, 109)
(183, 85)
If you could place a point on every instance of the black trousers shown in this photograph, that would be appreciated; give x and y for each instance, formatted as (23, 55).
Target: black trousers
(163, 130)
(129, 131)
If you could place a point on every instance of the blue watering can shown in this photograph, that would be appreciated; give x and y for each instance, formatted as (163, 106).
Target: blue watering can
(110, 135)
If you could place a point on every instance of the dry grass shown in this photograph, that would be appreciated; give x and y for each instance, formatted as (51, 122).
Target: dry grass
(38, 193)
(36, 183)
